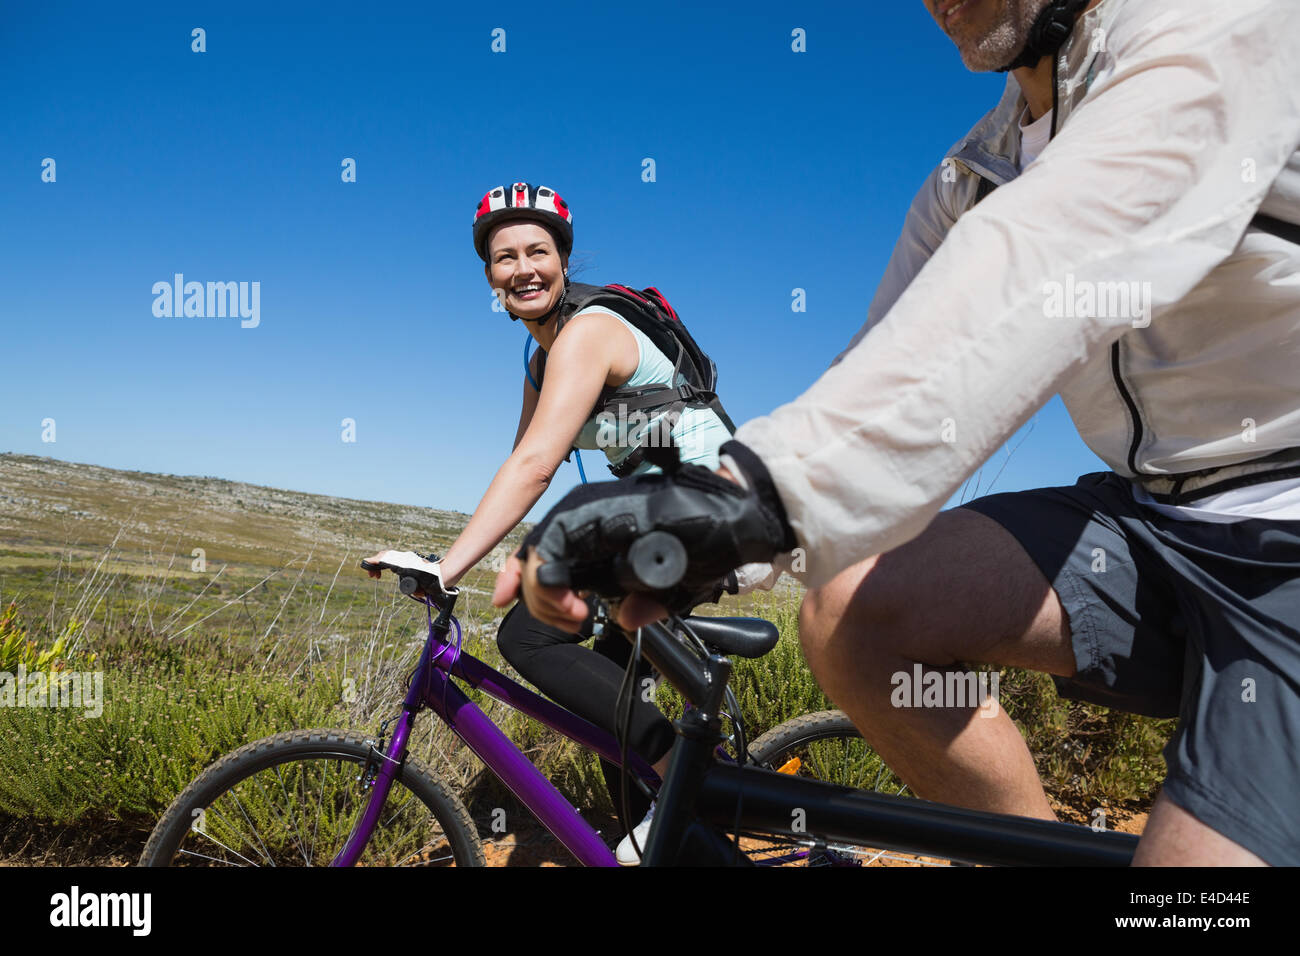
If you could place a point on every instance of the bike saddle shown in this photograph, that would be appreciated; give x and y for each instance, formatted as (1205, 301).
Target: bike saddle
(741, 636)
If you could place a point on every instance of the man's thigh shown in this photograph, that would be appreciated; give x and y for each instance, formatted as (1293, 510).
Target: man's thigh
(1188, 619)
(1113, 583)
(962, 590)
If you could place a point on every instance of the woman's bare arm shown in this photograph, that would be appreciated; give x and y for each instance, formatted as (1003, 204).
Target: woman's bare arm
(593, 351)
(529, 404)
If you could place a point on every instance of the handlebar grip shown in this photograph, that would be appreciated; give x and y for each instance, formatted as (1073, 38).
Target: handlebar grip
(655, 562)
(553, 574)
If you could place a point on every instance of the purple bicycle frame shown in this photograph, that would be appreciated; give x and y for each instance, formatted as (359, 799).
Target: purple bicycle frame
(432, 687)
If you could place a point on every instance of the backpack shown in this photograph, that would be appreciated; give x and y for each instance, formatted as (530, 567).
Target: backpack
(654, 317)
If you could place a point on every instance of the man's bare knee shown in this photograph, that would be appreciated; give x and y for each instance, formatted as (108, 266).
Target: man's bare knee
(833, 616)
(1173, 837)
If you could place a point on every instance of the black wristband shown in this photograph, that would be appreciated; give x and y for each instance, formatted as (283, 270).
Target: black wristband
(760, 480)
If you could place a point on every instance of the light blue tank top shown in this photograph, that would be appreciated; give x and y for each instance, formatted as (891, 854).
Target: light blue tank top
(698, 433)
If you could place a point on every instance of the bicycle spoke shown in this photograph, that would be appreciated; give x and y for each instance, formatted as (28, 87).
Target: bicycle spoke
(203, 856)
(305, 856)
(319, 804)
(398, 842)
(214, 809)
(256, 778)
(258, 804)
(416, 854)
(253, 827)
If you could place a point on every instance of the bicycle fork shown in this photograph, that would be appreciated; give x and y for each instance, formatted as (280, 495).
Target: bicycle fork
(392, 757)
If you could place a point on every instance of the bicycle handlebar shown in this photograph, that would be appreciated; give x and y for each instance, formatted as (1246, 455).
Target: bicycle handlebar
(655, 562)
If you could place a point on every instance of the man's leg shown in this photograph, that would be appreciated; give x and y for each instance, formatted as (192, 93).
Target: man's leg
(1173, 837)
(963, 591)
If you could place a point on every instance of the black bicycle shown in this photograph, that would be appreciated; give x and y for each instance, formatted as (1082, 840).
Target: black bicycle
(708, 809)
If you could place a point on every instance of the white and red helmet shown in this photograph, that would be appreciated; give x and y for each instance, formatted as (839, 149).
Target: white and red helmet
(523, 201)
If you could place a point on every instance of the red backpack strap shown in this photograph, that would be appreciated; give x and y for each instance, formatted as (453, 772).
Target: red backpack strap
(624, 290)
(663, 303)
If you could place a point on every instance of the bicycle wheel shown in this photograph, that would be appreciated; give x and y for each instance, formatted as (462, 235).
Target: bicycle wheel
(292, 800)
(826, 746)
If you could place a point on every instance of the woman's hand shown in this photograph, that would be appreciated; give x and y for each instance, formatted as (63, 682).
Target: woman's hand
(558, 607)
(398, 561)
(721, 523)
(375, 559)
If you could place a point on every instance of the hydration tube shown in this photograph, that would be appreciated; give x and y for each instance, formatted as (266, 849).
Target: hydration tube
(528, 370)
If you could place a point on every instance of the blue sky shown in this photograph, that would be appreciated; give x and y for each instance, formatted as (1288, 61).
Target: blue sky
(774, 170)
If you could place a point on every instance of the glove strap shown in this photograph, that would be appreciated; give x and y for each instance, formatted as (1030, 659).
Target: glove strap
(759, 480)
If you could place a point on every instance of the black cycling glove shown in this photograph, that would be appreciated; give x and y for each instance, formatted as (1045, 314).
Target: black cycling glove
(721, 525)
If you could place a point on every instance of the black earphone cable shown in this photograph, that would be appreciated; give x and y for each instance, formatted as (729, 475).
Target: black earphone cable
(1056, 101)
(624, 728)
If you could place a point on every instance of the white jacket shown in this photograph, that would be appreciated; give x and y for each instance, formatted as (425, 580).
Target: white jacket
(1179, 120)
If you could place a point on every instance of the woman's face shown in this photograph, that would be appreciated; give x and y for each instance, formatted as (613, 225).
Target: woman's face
(524, 263)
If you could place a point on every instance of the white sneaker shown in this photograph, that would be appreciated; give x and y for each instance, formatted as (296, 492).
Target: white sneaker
(626, 853)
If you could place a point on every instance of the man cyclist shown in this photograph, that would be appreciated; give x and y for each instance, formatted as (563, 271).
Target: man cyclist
(1156, 150)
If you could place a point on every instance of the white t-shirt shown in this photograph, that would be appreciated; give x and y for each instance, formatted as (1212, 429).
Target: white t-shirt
(1274, 500)
(1033, 136)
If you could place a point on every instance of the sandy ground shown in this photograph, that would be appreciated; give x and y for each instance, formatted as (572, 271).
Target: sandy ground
(529, 846)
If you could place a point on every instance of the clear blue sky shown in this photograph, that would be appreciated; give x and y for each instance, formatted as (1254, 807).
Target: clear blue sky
(774, 170)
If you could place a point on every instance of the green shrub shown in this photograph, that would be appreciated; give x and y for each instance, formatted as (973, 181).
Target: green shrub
(18, 648)
(154, 736)
(173, 707)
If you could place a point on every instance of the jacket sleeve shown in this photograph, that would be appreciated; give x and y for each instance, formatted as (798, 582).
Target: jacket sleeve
(1144, 183)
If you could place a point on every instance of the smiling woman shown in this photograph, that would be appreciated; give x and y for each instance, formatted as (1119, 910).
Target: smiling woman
(524, 235)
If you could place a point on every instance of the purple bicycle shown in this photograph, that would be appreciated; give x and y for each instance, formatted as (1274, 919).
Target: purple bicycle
(330, 797)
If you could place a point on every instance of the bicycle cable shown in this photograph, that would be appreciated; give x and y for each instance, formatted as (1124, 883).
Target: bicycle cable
(623, 727)
(455, 651)
(737, 725)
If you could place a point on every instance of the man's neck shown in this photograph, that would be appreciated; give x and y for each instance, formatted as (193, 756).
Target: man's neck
(1036, 85)
(1036, 81)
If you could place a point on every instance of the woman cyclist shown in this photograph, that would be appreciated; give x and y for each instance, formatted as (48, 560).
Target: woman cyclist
(524, 235)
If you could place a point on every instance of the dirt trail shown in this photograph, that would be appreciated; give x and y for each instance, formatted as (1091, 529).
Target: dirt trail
(531, 845)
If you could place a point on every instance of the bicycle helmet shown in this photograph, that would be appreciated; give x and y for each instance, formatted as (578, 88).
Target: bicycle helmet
(527, 202)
